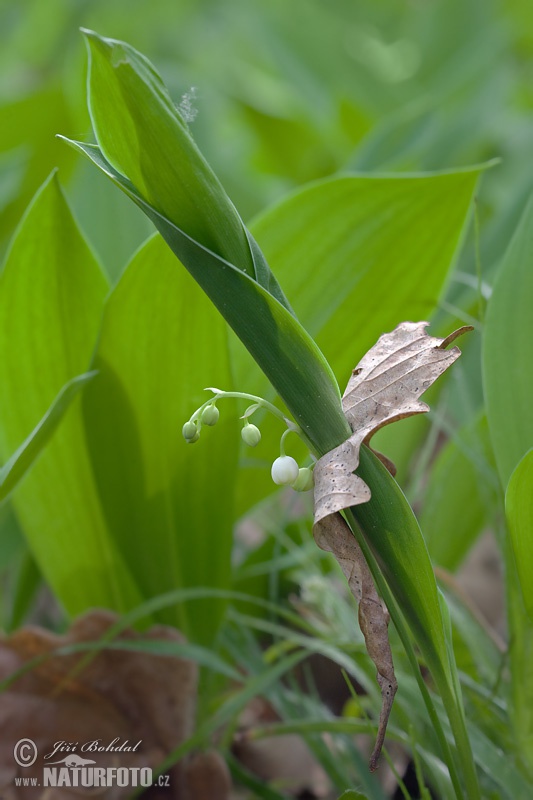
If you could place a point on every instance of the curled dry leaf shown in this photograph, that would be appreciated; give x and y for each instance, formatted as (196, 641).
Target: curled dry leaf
(384, 387)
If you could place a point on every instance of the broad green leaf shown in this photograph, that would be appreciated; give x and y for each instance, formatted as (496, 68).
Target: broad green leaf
(460, 496)
(29, 149)
(22, 460)
(507, 377)
(350, 794)
(359, 254)
(508, 385)
(519, 512)
(167, 504)
(51, 296)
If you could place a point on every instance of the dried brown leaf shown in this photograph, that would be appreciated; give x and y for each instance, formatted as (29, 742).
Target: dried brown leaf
(384, 387)
(113, 694)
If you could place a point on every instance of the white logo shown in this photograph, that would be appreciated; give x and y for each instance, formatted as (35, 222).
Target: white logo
(25, 752)
(76, 771)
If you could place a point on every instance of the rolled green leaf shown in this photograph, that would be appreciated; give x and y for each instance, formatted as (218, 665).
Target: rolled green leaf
(144, 137)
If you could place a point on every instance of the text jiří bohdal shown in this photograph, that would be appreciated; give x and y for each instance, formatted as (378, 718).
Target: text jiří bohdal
(93, 746)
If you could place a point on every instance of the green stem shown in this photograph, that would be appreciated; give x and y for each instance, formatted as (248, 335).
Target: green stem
(282, 441)
(291, 425)
(449, 700)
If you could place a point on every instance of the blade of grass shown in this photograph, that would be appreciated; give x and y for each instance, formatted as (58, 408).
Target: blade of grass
(23, 458)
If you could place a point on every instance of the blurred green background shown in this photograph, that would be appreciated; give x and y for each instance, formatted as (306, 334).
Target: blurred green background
(283, 96)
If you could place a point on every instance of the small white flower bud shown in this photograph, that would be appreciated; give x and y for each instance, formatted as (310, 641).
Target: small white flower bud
(251, 435)
(190, 432)
(210, 415)
(284, 471)
(305, 481)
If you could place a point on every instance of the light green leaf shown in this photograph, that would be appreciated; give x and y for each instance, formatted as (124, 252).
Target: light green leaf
(359, 254)
(29, 150)
(51, 296)
(507, 377)
(22, 460)
(519, 512)
(460, 496)
(168, 504)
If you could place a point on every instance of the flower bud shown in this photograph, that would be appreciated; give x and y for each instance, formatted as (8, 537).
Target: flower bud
(210, 415)
(284, 471)
(190, 432)
(251, 435)
(305, 481)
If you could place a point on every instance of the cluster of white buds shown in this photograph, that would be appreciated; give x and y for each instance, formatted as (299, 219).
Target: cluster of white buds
(285, 470)
(209, 415)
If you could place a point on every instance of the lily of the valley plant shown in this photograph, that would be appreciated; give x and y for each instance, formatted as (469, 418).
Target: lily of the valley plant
(145, 147)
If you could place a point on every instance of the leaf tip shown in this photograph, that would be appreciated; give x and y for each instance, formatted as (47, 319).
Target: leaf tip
(454, 335)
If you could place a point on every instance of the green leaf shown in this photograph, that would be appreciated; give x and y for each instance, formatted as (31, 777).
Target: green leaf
(29, 150)
(51, 296)
(392, 532)
(508, 385)
(350, 794)
(460, 496)
(28, 581)
(508, 381)
(22, 460)
(142, 135)
(392, 536)
(167, 504)
(519, 512)
(359, 254)
(520, 659)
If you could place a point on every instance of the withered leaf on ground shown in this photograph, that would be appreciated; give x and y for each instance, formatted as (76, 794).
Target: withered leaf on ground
(128, 695)
(384, 387)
